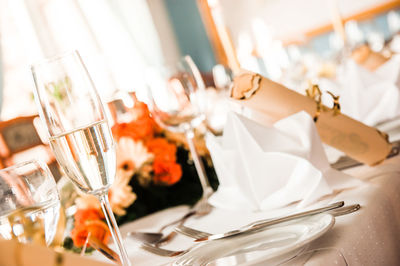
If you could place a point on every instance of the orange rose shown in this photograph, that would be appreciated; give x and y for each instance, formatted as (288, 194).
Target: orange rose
(97, 229)
(162, 149)
(166, 173)
(144, 128)
(141, 128)
(140, 109)
(138, 129)
(82, 215)
(89, 221)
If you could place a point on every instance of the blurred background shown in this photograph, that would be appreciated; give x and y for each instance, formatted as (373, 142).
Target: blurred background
(288, 41)
(119, 38)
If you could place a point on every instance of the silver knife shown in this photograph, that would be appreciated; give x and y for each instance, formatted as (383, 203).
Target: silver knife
(262, 224)
(192, 233)
(346, 162)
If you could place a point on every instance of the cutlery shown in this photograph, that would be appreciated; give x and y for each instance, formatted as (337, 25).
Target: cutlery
(345, 210)
(196, 234)
(260, 225)
(345, 162)
(173, 253)
(162, 251)
(157, 238)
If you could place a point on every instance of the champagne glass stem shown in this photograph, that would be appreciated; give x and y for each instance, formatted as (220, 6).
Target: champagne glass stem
(112, 224)
(207, 190)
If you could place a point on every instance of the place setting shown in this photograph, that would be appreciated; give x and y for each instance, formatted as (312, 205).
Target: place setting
(258, 242)
(215, 133)
(248, 220)
(298, 159)
(236, 155)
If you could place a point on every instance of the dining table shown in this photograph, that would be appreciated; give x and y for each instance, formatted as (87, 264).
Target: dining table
(369, 236)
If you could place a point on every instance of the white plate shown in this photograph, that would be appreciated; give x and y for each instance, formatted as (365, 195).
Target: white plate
(155, 220)
(258, 248)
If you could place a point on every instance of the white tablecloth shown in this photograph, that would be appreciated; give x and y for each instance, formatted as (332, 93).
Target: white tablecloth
(370, 236)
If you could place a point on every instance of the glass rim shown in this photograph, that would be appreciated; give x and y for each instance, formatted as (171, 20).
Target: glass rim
(31, 161)
(37, 91)
(53, 58)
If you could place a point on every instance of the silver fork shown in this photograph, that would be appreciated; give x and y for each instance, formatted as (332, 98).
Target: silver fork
(162, 251)
(190, 232)
(158, 238)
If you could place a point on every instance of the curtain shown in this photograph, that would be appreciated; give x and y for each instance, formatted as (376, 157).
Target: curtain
(1, 78)
(116, 38)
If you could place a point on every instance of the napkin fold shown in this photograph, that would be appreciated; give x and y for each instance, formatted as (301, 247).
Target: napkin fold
(262, 168)
(368, 96)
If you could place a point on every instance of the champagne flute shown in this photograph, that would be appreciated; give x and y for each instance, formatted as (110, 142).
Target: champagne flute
(29, 203)
(177, 101)
(79, 134)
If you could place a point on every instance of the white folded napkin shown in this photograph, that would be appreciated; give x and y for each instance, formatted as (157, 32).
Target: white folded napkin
(262, 168)
(370, 97)
(390, 70)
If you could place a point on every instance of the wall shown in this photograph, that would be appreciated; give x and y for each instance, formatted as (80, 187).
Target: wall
(288, 18)
(190, 33)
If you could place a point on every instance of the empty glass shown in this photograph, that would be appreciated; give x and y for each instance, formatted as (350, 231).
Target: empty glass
(29, 203)
(222, 76)
(177, 101)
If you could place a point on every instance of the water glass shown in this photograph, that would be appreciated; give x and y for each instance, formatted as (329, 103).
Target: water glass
(29, 203)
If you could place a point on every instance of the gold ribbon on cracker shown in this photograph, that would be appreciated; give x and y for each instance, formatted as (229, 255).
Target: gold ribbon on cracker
(315, 93)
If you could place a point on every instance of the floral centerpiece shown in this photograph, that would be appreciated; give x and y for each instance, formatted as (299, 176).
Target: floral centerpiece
(154, 171)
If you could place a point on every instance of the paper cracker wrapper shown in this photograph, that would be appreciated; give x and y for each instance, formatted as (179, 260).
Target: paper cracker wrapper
(267, 102)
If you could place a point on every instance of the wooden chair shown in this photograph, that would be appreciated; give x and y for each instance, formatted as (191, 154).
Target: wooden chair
(20, 141)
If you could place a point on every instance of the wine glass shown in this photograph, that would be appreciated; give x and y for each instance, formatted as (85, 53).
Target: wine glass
(29, 203)
(177, 102)
(78, 130)
(222, 76)
(217, 99)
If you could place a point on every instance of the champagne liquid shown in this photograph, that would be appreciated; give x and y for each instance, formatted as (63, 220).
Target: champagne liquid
(33, 224)
(87, 156)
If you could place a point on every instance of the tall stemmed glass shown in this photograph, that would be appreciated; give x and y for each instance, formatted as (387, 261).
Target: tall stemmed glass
(79, 134)
(176, 99)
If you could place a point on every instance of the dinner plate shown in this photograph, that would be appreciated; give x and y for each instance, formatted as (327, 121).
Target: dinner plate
(276, 242)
